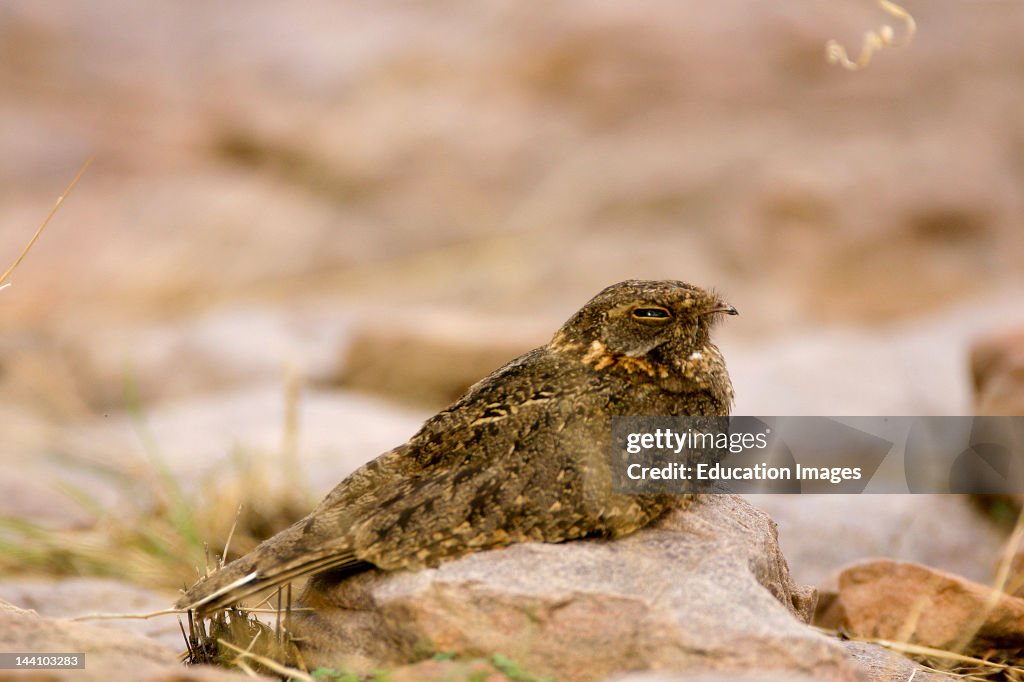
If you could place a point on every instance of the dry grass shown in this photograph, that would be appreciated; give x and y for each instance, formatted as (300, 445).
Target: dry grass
(237, 638)
(158, 534)
(156, 537)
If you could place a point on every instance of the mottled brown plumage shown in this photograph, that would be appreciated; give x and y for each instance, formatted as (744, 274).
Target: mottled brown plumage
(523, 456)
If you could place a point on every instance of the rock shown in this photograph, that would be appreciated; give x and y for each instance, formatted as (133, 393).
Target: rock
(997, 373)
(109, 655)
(716, 677)
(876, 664)
(943, 531)
(907, 602)
(706, 589)
(475, 670)
(431, 358)
(898, 368)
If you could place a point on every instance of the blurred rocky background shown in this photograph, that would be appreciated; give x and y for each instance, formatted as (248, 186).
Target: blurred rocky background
(310, 225)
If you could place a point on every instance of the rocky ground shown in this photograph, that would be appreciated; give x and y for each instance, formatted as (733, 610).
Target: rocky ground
(308, 228)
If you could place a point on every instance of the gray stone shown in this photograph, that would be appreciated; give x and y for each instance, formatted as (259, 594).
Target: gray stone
(76, 597)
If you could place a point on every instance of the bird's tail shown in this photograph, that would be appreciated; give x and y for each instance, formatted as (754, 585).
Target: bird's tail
(275, 562)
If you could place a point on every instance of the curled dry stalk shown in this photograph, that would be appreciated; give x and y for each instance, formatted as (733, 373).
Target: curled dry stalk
(4, 278)
(874, 41)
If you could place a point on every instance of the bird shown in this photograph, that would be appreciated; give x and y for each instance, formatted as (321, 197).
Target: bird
(522, 456)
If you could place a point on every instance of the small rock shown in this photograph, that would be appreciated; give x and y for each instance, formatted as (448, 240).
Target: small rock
(997, 372)
(902, 601)
(432, 358)
(704, 590)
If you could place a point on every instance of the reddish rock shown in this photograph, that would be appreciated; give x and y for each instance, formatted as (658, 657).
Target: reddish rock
(909, 602)
(997, 371)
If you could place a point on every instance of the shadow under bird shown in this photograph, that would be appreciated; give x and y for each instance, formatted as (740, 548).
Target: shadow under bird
(523, 456)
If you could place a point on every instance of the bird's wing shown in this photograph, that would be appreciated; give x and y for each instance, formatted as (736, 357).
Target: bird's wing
(508, 480)
(462, 483)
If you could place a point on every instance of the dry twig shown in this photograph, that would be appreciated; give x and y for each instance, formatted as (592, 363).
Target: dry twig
(31, 242)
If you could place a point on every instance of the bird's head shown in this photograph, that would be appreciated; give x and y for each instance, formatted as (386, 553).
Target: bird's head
(663, 321)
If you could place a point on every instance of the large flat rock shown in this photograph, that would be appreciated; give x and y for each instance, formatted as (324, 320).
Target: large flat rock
(705, 589)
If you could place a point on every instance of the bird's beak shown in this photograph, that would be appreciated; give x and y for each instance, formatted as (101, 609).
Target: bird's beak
(722, 308)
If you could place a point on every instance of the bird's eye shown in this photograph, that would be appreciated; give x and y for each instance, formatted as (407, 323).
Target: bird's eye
(651, 313)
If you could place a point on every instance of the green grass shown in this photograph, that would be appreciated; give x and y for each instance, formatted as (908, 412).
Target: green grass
(512, 670)
(155, 535)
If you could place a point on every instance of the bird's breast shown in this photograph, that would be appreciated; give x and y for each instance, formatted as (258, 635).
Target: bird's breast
(601, 359)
